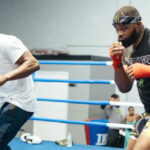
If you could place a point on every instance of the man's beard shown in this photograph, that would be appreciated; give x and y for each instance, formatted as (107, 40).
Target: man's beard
(132, 39)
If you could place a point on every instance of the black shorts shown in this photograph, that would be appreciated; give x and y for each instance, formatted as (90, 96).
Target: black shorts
(142, 126)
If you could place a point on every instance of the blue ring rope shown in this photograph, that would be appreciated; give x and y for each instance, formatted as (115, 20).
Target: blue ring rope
(101, 63)
(72, 101)
(68, 121)
(73, 81)
(75, 101)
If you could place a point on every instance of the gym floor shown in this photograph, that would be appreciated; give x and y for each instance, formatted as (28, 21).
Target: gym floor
(17, 144)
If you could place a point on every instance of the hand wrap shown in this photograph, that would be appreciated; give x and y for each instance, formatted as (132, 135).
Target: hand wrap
(117, 59)
(140, 70)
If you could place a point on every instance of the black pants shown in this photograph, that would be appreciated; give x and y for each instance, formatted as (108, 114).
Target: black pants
(11, 120)
(114, 139)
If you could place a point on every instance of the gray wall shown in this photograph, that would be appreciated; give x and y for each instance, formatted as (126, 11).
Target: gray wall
(100, 91)
(78, 26)
(57, 23)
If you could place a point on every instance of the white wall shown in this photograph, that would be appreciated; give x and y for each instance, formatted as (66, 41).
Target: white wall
(143, 7)
(51, 130)
(61, 24)
(78, 26)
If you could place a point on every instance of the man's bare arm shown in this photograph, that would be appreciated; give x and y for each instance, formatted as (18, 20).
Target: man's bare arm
(27, 64)
(122, 80)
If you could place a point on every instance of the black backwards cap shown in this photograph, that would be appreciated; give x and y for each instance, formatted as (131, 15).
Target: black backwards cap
(126, 20)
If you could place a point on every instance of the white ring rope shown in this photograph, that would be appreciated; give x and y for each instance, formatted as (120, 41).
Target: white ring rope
(126, 104)
(119, 126)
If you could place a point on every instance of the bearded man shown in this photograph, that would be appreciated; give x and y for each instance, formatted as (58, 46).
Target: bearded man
(131, 61)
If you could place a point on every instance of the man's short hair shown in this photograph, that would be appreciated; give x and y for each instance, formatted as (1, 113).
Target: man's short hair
(114, 96)
(130, 107)
(127, 11)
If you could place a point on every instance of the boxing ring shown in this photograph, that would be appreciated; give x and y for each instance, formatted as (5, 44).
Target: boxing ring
(46, 145)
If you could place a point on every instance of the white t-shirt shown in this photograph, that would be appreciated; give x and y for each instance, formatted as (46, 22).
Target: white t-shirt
(19, 92)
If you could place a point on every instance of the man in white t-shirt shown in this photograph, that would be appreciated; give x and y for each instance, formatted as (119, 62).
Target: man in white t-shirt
(17, 96)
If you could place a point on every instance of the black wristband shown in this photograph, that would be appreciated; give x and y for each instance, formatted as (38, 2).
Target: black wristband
(119, 65)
